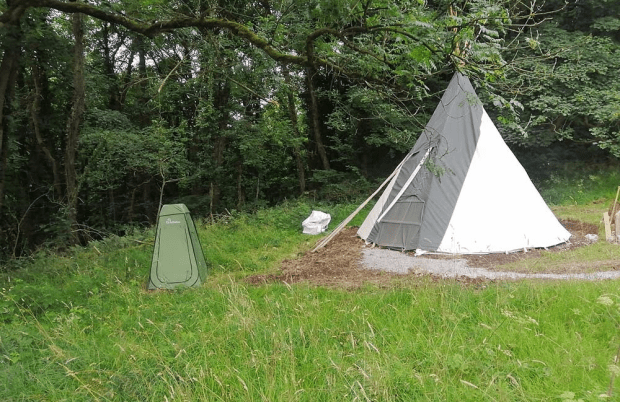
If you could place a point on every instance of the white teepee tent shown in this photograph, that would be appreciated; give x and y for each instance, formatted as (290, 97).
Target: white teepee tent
(461, 190)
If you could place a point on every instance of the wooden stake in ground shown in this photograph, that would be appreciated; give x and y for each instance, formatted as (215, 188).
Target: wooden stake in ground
(613, 207)
(607, 221)
(612, 216)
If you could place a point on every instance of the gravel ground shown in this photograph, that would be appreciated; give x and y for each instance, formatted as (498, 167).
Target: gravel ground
(397, 262)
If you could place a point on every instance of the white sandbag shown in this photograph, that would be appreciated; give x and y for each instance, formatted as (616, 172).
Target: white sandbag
(316, 223)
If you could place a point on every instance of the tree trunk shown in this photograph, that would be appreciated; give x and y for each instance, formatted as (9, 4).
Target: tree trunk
(126, 80)
(132, 202)
(4, 156)
(218, 156)
(222, 97)
(75, 119)
(8, 69)
(240, 191)
(108, 64)
(8, 65)
(112, 210)
(292, 114)
(150, 211)
(314, 117)
(35, 113)
(144, 120)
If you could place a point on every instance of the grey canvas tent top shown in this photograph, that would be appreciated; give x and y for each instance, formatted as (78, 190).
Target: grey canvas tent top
(177, 256)
(460, 189)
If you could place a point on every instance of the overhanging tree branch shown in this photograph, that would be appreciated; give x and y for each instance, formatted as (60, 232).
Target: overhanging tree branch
(151, 29)
(157, 27)
(358, 38)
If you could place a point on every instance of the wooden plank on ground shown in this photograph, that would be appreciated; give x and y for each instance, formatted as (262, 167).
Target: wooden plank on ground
(607, 227)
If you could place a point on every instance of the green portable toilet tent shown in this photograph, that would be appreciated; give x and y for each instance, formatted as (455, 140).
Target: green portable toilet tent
(177, 256)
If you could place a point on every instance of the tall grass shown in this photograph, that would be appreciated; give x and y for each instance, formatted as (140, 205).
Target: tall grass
(416, 341)
(80, 326)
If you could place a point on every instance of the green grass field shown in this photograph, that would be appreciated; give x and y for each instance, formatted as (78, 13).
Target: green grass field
(81, 327)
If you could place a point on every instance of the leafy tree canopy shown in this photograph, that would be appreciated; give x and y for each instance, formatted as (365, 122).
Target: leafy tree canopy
(378, 41)
(567, 79)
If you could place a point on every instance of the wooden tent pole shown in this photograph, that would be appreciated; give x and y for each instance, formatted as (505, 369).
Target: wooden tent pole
(611, 218)
(342, 224)
(613, 208)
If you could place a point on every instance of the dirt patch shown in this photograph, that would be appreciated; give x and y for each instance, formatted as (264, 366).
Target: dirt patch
(339, 263)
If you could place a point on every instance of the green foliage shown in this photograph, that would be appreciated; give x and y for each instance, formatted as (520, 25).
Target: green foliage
(114, 156)
(580, 184)
(570, 90)
(341, 186)
(119, 159)
(371, 117)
